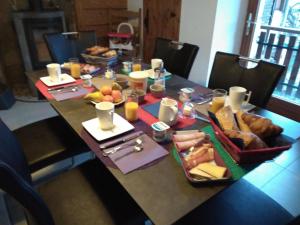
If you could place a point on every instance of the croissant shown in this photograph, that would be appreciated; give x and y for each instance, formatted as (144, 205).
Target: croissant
(251, 141)
(261, 126)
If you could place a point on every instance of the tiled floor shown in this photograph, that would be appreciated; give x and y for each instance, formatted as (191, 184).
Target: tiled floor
(280, 179)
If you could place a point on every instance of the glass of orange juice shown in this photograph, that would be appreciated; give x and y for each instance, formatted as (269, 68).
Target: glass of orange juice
(136, 64)
(131, 106)
(218, 100)
(75, 67)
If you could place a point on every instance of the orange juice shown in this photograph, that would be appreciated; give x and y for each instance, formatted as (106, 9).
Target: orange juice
(136, 67)
(131, 111)
(217, 103)
(75, 70)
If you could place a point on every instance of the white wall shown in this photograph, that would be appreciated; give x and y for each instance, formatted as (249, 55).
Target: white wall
(196, 27)
(229, 25)
(214, 25)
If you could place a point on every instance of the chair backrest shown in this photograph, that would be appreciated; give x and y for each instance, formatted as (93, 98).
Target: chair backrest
(15, 178)
(63, 46)
(227, 71)
(178, 57)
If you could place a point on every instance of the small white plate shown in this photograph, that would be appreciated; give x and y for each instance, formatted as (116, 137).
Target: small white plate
(151, 73)
(246, 107)
(65, 79)
(116, 104)
(121, 126)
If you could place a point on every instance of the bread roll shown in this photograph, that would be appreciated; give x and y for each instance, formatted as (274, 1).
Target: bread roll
(226, 118)
(251, 141)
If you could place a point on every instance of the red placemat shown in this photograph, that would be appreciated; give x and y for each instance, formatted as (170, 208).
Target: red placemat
(44, 88)
(150, 119)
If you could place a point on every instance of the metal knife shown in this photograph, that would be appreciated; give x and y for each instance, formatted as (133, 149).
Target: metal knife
(121, 140)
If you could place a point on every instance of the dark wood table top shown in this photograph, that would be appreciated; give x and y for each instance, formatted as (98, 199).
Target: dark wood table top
(161, 190)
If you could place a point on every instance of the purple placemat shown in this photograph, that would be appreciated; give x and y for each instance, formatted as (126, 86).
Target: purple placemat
(127, 160)
(59, 96)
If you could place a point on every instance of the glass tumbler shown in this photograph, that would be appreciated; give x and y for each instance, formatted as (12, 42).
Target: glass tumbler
(75, 67)
(218, 99)
(137, 64)
(131, 106)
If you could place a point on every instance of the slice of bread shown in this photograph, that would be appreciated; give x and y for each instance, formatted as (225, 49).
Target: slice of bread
(226, 118)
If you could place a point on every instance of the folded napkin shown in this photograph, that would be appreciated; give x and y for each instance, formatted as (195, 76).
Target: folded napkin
(68, 93)
(127, 160)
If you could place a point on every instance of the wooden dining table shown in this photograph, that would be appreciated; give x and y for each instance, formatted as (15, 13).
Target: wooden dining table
(161, 190)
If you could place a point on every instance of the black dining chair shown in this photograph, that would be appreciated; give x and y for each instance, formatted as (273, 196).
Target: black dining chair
(85, 195)
(228, 70)
(178, 57)
(48, 142)
(63, 46)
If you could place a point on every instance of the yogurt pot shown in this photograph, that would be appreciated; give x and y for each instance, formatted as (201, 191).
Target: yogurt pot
(139, 80)
(159, 131)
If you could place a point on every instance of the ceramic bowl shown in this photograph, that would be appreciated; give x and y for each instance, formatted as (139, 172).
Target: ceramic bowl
(157, 90)
(122, 81)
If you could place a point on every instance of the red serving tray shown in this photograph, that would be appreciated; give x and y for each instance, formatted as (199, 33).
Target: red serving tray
(249, 155)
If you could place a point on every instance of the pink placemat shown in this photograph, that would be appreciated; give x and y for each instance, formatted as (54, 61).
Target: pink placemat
(128, 160)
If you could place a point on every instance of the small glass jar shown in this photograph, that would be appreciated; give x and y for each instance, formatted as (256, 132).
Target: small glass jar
(186, 94)
(87, 80)
(188, 111)
(110, 74)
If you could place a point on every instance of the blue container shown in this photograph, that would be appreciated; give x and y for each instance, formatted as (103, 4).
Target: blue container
(7, 99)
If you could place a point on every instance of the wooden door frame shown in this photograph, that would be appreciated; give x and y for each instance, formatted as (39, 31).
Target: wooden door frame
(246, 40)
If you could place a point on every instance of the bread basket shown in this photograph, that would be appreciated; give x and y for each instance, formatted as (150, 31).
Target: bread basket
(90, 59)
(245, 156)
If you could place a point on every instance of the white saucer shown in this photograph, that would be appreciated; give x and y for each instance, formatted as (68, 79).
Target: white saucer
(65, 79)
(246, 107)
(93, 127)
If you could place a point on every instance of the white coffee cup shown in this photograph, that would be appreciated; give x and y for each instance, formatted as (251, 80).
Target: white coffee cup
(54, 71)
(105, 114)
(168, 111)
(157, 63)
(237, 97)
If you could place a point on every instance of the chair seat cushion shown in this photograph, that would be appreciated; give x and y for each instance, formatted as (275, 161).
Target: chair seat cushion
(48, 141)
(89, 195)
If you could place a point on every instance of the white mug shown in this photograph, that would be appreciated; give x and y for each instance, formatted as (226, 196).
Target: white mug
(105, 114)
(237, 97)
(54, 72)
(168, 111)
(157, 63)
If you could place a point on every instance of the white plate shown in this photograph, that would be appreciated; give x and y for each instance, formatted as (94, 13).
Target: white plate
(121, 126)
(151, 73)
(246, 107)
(65, 79)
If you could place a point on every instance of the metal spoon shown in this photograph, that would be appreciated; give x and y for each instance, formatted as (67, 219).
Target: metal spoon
(113, 150)
(136, 148)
